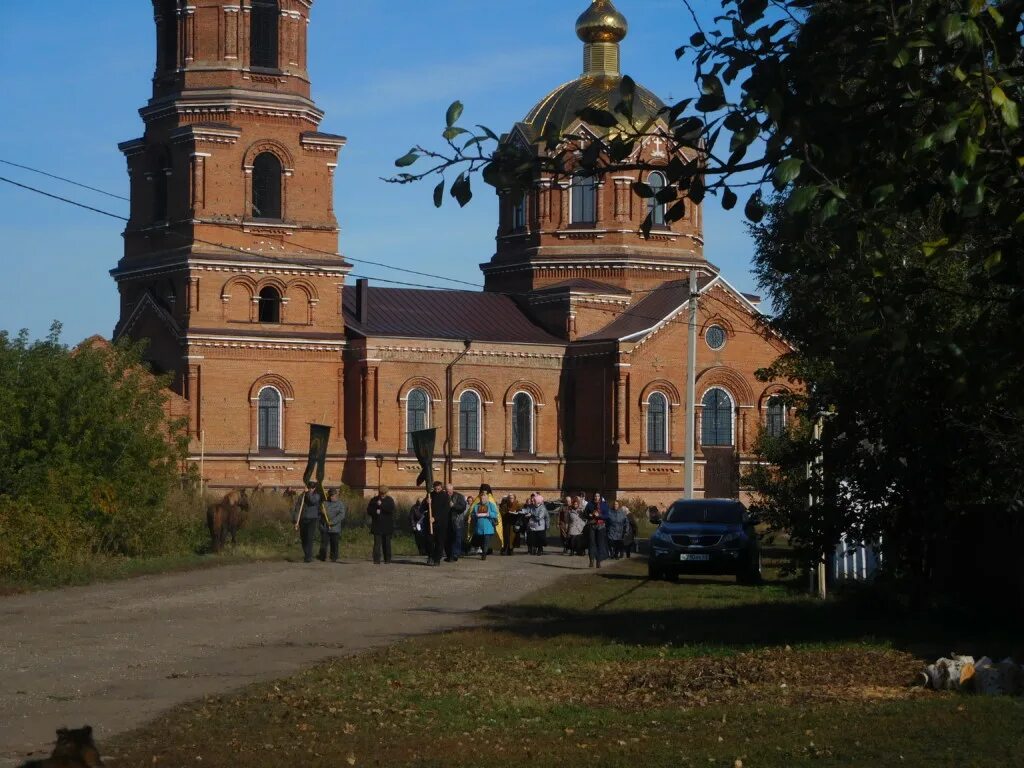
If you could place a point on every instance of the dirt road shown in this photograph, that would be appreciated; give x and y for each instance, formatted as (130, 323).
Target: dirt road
(116, 655)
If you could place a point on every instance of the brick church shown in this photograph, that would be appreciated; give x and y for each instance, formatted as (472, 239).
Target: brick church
(566, 372)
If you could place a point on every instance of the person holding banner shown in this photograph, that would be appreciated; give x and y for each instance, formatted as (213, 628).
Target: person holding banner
(440, 511)
(307, 518)
(485, 519)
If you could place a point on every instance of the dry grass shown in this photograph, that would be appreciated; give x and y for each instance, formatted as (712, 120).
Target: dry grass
(608, 669)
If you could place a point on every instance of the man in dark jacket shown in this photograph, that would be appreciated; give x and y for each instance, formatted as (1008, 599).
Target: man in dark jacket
(307, 513)
(381, 511)
(441, 512)
(459, 507)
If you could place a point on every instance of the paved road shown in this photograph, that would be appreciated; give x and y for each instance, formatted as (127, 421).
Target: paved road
(117, 655)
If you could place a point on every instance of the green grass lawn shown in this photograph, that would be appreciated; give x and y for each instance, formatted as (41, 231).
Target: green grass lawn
(609, 669)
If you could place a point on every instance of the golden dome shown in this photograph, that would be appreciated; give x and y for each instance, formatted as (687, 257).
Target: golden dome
(601, 28)
(562, 105)
(601, 23)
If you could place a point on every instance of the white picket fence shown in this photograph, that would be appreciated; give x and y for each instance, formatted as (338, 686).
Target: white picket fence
(855, 562)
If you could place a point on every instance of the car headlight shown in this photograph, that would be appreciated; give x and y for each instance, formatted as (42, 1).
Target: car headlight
(660, 537)
(731, 538)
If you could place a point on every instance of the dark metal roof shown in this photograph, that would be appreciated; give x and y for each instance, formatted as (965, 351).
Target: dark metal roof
(583, 285)
(649, 311)
(426, 314)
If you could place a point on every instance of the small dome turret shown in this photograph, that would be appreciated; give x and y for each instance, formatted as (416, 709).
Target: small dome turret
(601, 23)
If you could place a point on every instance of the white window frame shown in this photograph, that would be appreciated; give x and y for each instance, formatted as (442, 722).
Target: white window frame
(519, 213)
(767, 411)
(577, 184)
(280, 419)
(732, 417)
(725, 333)
(533, 422)
(647, 423)
(407, 446)
(479, 419)
(654, 204)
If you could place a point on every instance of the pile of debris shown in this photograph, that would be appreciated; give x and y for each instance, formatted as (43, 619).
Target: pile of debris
(984, 677)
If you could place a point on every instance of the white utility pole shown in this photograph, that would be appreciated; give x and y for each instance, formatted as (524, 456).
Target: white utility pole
(819, 575)
(691, 387)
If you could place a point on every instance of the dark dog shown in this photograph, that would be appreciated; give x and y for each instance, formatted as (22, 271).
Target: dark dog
(226, 517)
(74, 749)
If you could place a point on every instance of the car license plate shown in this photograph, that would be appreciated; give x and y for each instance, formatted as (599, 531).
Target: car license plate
(695, 557)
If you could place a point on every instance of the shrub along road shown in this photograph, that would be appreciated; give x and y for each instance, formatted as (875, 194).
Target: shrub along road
(117, 655)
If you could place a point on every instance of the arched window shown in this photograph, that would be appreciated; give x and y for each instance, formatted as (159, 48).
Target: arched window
(657, 423)
(469, 422)
(270, 305)
(269, 419)
(716, 418)
(168, 35)
(265, 16)
(584, 200)
(522, 423)
(519, 213)
(656, 181)
(266, 187)
(416, 414)
(161, 180)
(777, 412)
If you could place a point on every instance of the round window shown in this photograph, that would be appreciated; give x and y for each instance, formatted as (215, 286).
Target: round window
(715, 337)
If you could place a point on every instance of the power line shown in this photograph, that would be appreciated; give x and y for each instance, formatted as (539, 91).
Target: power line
(271, 257)
(65, 180)
(208, 223)
(234, 227)
(63, 199)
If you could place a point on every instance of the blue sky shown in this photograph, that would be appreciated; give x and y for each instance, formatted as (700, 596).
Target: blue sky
(74, 74)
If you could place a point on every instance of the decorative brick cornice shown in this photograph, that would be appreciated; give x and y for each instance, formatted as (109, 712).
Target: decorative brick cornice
(202, 134)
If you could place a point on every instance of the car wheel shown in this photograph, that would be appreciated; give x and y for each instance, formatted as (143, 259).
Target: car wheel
(750, 572)
(653, 573)
(672, 576)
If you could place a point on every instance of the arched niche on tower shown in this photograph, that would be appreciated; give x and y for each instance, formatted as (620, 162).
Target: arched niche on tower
(238, 298)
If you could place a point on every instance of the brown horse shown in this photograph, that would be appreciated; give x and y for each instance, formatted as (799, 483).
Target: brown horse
(227, 516)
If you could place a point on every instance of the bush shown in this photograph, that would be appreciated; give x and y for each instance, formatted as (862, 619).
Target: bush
(88, 459)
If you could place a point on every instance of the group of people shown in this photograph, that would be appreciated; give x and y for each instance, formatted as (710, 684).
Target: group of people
(448, 525)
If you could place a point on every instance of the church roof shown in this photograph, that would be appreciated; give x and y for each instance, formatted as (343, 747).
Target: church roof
(584, 285)
(426, 314)
(649, 311)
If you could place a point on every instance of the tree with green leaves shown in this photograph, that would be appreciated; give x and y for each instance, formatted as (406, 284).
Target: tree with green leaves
(878, 149)
(87, 454)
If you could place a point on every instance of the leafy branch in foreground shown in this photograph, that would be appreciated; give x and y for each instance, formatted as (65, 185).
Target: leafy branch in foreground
(858, 104)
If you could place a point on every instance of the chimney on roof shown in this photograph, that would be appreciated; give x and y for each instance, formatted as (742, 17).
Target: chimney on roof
(362, 300)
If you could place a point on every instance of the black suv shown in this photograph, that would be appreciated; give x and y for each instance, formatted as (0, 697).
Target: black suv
(713, 536)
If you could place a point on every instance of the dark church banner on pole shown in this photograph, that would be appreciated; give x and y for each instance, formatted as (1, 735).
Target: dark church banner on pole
(319, 436)
(423, 447)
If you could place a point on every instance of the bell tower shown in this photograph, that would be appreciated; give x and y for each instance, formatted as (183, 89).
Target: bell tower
(231, 269)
